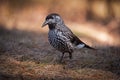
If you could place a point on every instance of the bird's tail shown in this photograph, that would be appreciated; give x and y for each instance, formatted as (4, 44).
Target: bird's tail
(82, 45)
(89, 47)
(79, 44)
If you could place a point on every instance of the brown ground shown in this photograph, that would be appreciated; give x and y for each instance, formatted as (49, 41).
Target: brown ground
(26, 55)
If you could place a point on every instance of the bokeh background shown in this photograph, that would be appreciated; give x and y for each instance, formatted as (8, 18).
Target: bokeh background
(25, 53)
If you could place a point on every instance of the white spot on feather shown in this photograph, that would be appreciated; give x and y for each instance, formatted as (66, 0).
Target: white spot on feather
(57, 17)
(80, 46)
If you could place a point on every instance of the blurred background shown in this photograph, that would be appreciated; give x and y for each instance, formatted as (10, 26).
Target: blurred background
(98, 19)
(23, 42)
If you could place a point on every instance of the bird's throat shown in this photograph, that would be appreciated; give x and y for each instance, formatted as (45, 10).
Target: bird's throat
(51, 26)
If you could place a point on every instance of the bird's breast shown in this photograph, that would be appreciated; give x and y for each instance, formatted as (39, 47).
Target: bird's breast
(58, 41)
(55, 39)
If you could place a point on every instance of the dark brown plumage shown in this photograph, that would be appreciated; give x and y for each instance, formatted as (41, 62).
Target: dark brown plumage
(61, 37)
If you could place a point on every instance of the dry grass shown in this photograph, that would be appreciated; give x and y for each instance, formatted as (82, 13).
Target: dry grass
(20, 70)
(28, 56)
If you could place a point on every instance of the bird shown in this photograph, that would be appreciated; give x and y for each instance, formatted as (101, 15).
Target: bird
(61, 37)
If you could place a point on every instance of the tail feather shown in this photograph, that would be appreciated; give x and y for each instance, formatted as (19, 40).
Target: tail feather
(79, 44)
(82, 45)
(89, 47)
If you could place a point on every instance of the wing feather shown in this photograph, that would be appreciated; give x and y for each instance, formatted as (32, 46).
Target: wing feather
(73, 38)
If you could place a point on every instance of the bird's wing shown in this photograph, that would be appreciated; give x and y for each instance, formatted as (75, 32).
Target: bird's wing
(73, 38)
(79, 43)
(65, 39)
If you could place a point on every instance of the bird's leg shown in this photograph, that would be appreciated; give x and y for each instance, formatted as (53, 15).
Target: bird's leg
(70, 55)
(62, 57)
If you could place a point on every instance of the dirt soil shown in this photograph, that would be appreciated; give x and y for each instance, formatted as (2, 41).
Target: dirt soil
(27, 55)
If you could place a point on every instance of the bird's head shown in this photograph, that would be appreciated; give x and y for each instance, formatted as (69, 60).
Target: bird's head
(52, 19)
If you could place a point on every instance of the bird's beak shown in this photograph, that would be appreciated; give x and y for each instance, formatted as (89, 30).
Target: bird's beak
(45, 23)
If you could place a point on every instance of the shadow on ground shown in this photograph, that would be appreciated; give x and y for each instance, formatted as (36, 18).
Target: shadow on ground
(26, 55)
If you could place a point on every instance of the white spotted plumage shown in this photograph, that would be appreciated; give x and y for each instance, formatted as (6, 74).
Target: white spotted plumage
(61, 37)
(59, 41)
